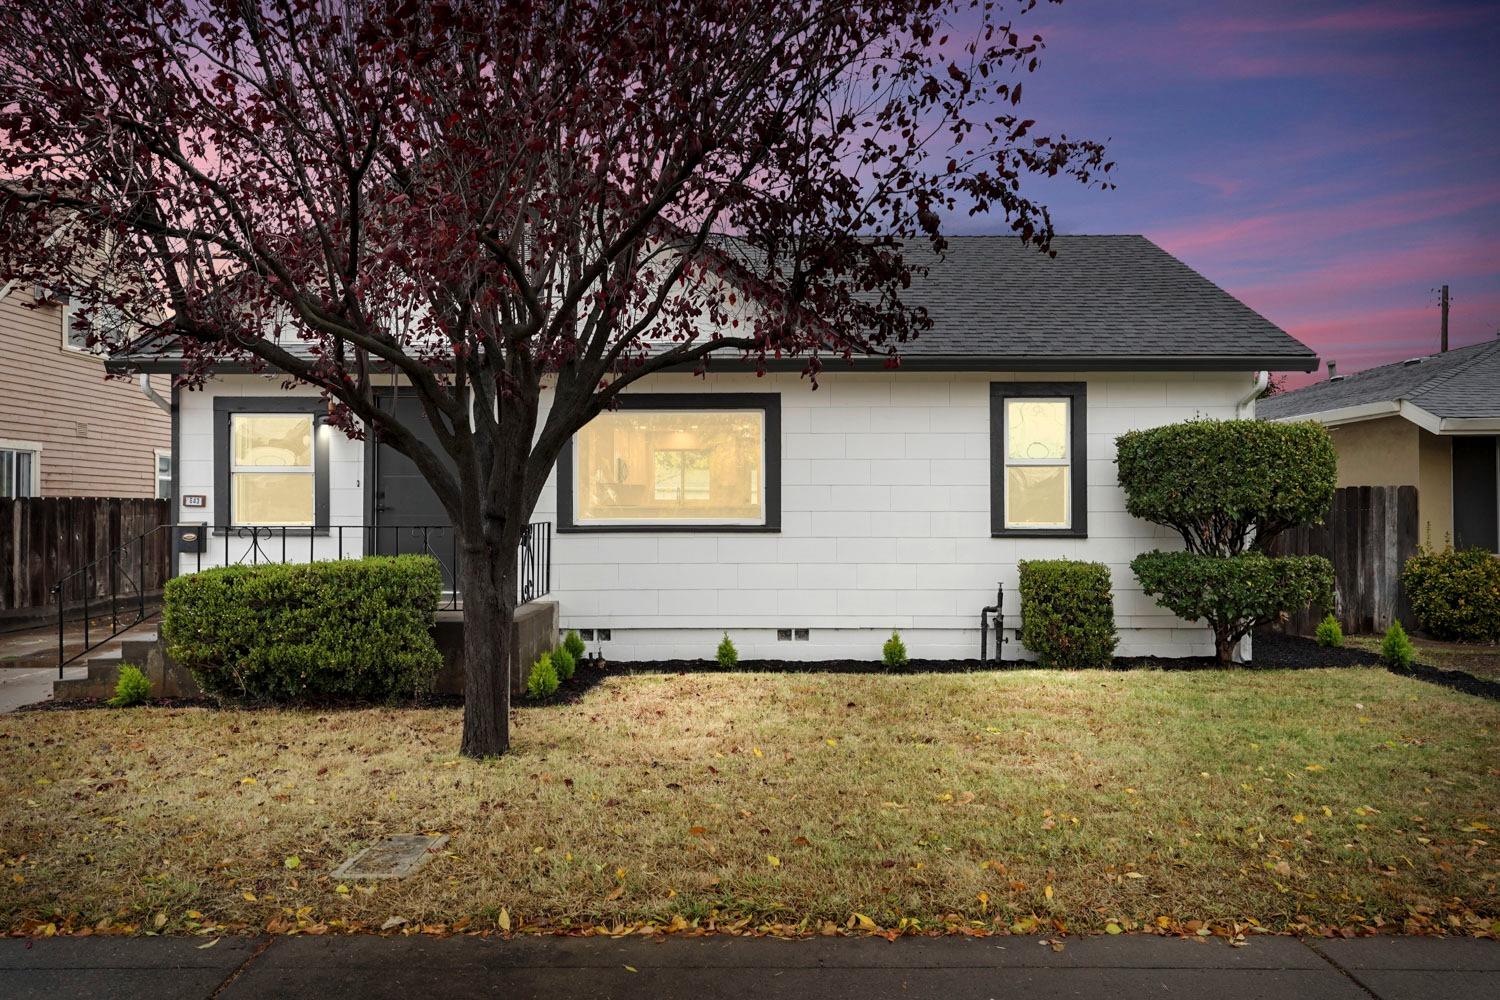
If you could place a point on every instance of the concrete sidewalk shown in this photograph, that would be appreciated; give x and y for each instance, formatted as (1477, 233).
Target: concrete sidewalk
(557, 968)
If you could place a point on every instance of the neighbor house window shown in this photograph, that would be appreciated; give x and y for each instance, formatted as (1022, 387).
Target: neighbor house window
(1038, 462)
(18, 472)
(163, 460)
(271, 475)
(676, 461)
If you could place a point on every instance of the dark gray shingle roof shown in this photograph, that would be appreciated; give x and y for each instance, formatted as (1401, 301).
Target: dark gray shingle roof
(1110, 301)
(1101, 296)
(1461, 383)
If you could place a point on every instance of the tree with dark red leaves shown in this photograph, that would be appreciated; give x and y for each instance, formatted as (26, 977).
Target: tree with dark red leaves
(515, 210)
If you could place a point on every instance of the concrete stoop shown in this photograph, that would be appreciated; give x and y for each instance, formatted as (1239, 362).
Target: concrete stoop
(147, 652)
(536, 630)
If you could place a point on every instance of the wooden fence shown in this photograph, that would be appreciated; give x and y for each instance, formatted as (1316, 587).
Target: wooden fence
(1368, 534)
(46, 539)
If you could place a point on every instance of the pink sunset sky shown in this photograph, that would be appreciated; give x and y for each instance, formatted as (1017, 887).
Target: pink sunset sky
(1330, 163)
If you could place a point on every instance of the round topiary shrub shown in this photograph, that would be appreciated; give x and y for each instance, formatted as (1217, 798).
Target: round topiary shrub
(1234, 594)
(1228, 485)
(353, 629)
(1455, 593)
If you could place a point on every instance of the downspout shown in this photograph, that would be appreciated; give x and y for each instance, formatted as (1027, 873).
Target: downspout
(144, 381)
(1262, 379)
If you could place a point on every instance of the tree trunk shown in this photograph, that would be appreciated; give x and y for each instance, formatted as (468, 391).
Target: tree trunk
(1224, 645)
(488, 590)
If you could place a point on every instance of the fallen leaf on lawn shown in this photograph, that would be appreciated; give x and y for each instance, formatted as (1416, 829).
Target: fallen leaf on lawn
(832, 742)
(756, 751)
(504, 919)
(1314, 767)
(159, 921)
(773, 861)
(863, 922)
(392, 922)
(1299, 818)
(1111, 928)
(697, 831)
(249, 897)
(342, 890)
(292, 861)
(1047, 892)
(619, 891)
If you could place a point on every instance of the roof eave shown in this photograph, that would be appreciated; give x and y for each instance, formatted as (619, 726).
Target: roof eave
(916, 363)
(1405, 408)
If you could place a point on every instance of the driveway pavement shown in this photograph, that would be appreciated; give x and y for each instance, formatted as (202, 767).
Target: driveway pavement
(557, 968)
(24, 685)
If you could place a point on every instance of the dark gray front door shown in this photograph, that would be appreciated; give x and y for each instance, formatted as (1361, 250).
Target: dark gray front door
(405, 513)
(1476, 513)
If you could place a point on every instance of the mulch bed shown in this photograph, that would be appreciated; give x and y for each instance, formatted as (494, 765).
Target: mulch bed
(1272, 651)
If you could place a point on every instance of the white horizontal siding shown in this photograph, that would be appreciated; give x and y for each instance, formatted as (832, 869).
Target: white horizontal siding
(886, 524)
(885, 521)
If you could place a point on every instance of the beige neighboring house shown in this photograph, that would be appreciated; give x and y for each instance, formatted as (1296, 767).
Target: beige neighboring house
(1431, 422)
(64, 429)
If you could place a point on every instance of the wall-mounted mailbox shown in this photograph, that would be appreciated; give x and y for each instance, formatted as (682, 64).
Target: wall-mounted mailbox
(192, 537)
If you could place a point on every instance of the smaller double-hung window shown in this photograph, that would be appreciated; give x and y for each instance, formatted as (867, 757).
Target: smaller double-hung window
(18, 472)
(1038, 463)
(270, 463)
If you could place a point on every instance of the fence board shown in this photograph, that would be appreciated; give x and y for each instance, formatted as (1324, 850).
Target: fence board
(1368, 534)
(45, 539)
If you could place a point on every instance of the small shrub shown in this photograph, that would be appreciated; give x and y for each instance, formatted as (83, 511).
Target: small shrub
(347, 629)
(1234, 594)
(542, 681)
(563, 663)
(893, 653)
(132, 688)
(574, 645)
(1455, 593)
(1396, 649)
(1329, 633)
(1068, 613)
(727, 655)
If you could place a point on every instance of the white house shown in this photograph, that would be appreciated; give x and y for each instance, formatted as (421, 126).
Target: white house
(808, 524)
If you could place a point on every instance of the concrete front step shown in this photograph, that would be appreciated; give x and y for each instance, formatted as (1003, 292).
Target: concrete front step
(149, 654)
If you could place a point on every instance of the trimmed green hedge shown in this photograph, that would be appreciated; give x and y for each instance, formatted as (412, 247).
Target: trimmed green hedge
(1068, 612)
(1455, 593)
(350, 629)
(1228, 485)
(1234, 594)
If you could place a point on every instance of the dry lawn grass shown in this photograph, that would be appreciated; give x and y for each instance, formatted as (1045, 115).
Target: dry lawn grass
(1306, 797)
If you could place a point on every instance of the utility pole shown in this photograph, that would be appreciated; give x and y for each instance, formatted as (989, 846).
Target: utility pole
(1445, 319)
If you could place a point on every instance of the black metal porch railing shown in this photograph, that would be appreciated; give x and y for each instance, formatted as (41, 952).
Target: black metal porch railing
(114, 591)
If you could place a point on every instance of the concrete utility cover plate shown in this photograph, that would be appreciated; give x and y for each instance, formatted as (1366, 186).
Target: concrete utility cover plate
(393, 857)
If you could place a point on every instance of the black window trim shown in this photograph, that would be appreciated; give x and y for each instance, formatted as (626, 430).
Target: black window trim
(224, 408)
(1077, 394)
(767, 402)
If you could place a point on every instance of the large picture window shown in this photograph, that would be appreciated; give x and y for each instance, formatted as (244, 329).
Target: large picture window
(270, 463)
(1038, 459)
(684, 462)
